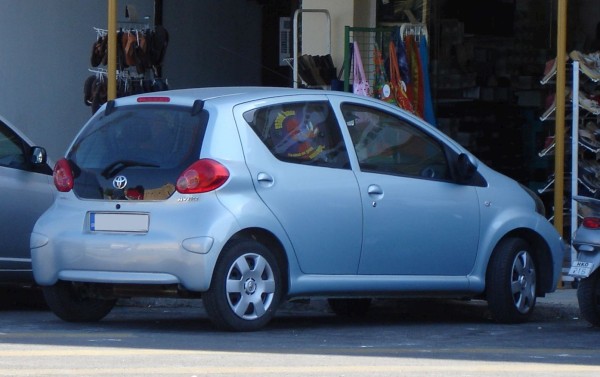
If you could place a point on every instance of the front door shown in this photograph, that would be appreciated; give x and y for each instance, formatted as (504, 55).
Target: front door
(417, 221)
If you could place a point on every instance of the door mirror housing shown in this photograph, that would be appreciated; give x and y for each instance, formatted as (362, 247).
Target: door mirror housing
(466, 166)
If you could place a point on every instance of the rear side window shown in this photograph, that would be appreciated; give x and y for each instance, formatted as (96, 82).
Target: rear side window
(161, 137)
(300, 132)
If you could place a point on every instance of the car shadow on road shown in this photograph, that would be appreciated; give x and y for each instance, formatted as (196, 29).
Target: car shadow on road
(304, 314)
(21, 297)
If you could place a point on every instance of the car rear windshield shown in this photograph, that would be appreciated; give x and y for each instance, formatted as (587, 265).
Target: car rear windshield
(150, 146)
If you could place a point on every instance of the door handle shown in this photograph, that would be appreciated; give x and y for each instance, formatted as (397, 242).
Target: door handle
(375, 190)
(376, 193)
(265, 179)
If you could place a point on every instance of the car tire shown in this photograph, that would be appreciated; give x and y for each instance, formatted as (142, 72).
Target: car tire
(246, 287)
(69, 302)
(353, 308)
(511, 281)
(588, 297)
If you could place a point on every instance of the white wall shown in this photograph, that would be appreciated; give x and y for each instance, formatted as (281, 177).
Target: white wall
(45, 48)
(45, 56)
(360, 13)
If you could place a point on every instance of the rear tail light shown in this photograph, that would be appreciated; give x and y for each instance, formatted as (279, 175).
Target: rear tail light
(63, 175)
(202, 176)
(591, 223)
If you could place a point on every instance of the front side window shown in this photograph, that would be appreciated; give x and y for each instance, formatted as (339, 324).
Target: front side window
(385, 143)
(11, 149)
(300, 132)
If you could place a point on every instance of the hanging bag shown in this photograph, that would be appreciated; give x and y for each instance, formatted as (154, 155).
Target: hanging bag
(397, 86)
(360, 84)
(382, 89)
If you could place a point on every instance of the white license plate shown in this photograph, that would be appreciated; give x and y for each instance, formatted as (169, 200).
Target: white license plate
(581, 269)
(119, 222)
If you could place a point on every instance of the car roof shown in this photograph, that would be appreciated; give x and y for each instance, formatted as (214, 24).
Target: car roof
(238, 94)
(229, 95)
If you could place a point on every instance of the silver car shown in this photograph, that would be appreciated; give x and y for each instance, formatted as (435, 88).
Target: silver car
(249, 196)
(27, 191)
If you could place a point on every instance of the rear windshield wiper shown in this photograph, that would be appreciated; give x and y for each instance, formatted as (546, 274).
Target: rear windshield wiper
(117, 166)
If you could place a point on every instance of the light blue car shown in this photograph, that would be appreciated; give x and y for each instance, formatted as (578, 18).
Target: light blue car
(246, 197)
(26, 191)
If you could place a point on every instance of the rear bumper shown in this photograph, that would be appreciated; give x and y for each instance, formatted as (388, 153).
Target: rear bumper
(120, 259)
(180, 246)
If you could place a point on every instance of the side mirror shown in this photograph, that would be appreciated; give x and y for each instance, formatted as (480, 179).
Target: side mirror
(38, 155)
(466, 167)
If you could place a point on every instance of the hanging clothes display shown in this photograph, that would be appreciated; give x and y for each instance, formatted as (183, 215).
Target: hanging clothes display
(415, 85)
(428, 113)
(411, 40)
(393, 90)
(400, 73)
(360, 84)
(140, 53)
(401, 57)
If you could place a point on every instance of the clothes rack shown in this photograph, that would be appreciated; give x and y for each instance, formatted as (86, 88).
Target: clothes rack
(296, 35)
(417, 30)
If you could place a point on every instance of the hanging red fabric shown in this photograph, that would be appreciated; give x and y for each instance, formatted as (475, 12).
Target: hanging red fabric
(416, 89)
(397, 86)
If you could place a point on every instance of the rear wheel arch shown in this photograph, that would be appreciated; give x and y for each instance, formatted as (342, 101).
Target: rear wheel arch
(247, 285)
(273, 243)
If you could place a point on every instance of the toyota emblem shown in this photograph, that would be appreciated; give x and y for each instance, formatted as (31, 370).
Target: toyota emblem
(120, 182)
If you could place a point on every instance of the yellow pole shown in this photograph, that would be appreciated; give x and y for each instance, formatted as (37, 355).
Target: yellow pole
(559, 135)
(112, 50)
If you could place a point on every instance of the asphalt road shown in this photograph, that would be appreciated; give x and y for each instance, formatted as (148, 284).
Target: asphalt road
(398, 338)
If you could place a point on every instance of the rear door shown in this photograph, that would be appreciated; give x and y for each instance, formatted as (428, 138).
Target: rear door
(299, 164)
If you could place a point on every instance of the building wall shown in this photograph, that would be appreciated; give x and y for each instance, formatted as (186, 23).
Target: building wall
(45, 52)
(213, 43)
(46, 45)
(342, 13)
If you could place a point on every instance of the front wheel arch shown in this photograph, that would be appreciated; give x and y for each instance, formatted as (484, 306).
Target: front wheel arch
(541, 254)
(511, 283)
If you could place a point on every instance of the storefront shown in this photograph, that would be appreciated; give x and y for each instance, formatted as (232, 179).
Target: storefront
(485, 61)
(491, 68)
